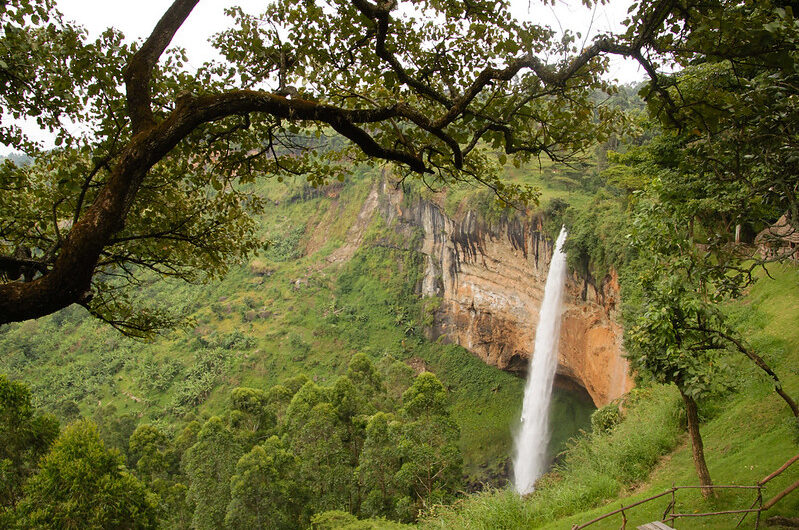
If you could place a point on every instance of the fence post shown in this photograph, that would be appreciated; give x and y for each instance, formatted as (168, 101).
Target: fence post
(673, 504)
(760, 507)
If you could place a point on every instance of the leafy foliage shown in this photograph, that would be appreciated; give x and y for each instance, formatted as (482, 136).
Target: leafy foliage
(81, 483)
(433, 88)
(24, 438)
(201, 378)
(604, 419)
(264, 492)
(209, 465)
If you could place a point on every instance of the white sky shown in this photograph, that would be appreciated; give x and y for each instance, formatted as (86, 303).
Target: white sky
(137, 18)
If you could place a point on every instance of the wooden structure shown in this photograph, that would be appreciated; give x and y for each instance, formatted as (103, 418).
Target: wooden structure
(670, 514)
(655, 525)
(780, 240)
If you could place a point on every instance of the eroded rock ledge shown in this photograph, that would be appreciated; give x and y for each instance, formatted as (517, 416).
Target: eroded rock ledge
(491, 279)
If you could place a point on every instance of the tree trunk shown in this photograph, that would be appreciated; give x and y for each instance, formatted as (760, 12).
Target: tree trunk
(696, 444)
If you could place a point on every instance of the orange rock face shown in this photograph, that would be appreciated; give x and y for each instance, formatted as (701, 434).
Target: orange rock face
(591, 342)
(491, 279)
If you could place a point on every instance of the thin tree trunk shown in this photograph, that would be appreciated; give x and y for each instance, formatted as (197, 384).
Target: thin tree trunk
(696, 444)
(763, 366)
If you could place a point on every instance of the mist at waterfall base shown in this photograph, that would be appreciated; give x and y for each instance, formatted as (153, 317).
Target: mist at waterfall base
(532, 439)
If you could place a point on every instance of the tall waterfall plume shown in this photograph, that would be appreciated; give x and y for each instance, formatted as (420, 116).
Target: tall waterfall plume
(531, 441)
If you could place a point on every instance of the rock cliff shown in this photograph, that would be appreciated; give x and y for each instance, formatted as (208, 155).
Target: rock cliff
(490, 279)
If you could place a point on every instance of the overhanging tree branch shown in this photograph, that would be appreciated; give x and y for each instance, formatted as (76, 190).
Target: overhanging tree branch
(759, 362)
(68, 277)
(139, 71)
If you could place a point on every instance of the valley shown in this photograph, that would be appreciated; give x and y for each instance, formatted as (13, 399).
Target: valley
(393, 264)
(342, 277)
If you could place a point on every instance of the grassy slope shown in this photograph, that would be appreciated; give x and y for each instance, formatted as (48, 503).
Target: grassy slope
(748, 434)
(218, 309)
(543, 176)
(70, 359)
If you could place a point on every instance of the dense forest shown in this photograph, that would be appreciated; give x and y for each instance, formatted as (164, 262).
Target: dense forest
(200, 328)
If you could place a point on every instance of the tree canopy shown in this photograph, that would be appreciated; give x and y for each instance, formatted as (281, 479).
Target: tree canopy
(155, 179)
(24, 438)
(714, 164)
(80, 483)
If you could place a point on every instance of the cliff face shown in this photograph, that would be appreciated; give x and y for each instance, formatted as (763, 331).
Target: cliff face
(491, 283)
(591, 340)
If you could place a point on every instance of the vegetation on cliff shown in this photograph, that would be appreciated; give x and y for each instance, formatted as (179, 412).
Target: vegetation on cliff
(168, 184)
(288, 312)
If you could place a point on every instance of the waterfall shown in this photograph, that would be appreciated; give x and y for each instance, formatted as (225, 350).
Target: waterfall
(533, 437)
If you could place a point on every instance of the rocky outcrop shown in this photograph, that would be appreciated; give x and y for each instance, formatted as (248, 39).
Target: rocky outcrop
(591, 340)
(490, 279)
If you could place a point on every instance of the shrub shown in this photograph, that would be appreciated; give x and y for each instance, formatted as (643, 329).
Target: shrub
(236, 340)
(286, 246)
(259, 267)
(603, 420)
(200, 379)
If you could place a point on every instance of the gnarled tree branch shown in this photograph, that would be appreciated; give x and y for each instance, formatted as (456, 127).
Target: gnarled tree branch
(68, 278)
(139, 71)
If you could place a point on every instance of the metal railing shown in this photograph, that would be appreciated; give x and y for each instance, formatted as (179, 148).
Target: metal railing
(670, 515)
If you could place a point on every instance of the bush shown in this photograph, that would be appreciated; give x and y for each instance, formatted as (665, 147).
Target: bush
(259, 267)
(299, 346)
(286, 246)
(200, 379)
(158, 376)
(236, 340)
(603, 420)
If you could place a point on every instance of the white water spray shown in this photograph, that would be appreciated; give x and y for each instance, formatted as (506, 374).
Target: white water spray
(533, 437)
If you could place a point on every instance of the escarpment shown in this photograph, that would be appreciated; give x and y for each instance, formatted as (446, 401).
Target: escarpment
(490, 280)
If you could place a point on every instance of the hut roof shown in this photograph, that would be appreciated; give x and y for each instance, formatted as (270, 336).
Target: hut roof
(782, 230)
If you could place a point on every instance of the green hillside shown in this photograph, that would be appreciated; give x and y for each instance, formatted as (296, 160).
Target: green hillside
(211, 308)
(290, 311)
(286, 312)
(748, 433)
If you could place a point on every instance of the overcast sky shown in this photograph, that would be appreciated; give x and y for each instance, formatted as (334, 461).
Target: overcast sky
(137, 18)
